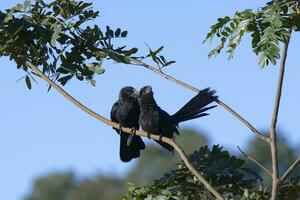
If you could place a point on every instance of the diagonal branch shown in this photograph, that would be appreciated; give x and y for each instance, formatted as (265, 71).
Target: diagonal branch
(169, 141)
(185, 85)
(290, 170)
(255, 161)
(273, 133)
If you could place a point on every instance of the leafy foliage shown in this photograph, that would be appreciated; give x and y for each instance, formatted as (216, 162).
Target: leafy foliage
(160, 60)
(55, 36)
(290, 190)
(226, 173)
(231, 176)
(268, 26)
(152, 163)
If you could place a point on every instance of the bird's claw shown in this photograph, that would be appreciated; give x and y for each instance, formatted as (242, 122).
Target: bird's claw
(133, 131)
(120, 129)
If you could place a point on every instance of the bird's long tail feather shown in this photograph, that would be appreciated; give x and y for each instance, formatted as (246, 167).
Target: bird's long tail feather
(196, 107)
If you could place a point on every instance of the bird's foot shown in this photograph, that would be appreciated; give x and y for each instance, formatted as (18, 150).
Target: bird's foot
(133, 131)
(120, 129)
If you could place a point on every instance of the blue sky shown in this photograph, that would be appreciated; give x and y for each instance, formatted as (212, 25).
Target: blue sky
(42, 132)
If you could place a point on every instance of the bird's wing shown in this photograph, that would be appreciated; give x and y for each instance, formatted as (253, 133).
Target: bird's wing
(166, 125)
(113, 112)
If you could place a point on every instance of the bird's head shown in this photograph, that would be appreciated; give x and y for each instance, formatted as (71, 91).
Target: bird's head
(128, 93)
(146, 93)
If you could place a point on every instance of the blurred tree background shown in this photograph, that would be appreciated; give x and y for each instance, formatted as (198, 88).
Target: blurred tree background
(152, 164)
(260, 151)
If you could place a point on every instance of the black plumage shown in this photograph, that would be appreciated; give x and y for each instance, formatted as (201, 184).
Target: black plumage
(125, 111)
(155, 120)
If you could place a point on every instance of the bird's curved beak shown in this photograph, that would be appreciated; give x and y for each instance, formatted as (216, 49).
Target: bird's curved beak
(135, 94)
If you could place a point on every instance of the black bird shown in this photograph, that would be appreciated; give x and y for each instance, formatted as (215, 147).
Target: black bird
(155, 120)
(126, 112)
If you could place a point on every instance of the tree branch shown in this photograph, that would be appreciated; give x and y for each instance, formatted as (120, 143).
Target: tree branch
(273, 134)
(255, 161)
(169, 141)
(185, 85)
(290, 170)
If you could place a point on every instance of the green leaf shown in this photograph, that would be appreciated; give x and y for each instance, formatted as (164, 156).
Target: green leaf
(229, 30)
(56, 35)
(26, 4)
(65, 79)
(153, 56)
(169, 63)
(93, 82)
(124, 34)
(118, 58)
(224, 33)
(19, 7)
(56, 10)
(117, 32)
(99, 71)
(28, 82)
(246, 193)
(100, 54)
(163, 59)
(64, 13)
(109, 32)
(158, 50)
(8, 16)
(49, 88)
(131, 51)
(262, 61)
(53, 42)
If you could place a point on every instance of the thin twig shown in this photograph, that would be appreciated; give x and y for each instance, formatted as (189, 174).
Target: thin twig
(273, 134)
(169, 141)
(229, 109)
(290, 170)
(255, 161)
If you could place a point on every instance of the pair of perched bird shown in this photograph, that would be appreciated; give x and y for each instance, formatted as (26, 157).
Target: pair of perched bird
(134, 109)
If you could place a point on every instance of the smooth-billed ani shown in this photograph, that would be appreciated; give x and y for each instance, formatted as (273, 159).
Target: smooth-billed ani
(155, 120)
(125, 111)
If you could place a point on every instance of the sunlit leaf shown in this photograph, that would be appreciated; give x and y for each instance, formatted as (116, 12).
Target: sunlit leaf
(28, 82)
